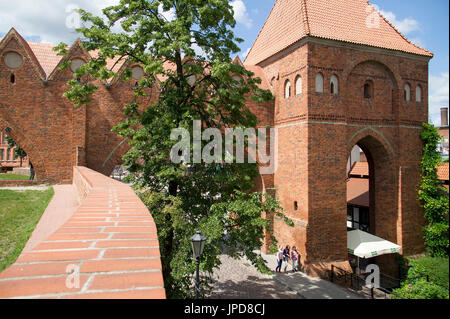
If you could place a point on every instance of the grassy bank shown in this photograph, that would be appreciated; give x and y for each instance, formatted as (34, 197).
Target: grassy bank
(13, 177)
(20, 211)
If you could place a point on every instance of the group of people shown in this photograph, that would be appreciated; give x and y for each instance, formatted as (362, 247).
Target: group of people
(286, 255)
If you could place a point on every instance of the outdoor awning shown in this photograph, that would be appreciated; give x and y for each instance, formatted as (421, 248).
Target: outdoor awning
(365, 245)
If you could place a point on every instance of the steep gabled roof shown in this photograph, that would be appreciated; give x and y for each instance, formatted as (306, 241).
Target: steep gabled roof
(343, 20)
(13, 34)
(45, 55)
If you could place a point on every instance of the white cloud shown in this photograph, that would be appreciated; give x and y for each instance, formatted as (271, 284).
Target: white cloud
(438, 96)
(405, 26)
(241, 13)
(46, 19)
(169, 15)
(244, 54)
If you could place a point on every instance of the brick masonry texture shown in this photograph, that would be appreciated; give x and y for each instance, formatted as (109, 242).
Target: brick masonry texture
(316, 132)
(110, 266)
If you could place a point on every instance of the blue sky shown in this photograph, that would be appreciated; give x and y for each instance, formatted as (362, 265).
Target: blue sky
(426, 23)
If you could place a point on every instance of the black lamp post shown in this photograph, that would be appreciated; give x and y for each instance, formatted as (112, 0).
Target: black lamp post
(198, 244)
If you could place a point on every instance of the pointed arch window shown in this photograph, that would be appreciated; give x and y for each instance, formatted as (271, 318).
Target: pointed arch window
(76, 63)
(287, 89)
(298, 85)
(334, 84)
(319, 83)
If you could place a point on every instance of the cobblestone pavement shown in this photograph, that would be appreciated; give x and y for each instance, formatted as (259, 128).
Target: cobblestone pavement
(239, 279)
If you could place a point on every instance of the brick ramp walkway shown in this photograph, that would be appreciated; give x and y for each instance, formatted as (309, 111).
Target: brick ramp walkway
(111, 239)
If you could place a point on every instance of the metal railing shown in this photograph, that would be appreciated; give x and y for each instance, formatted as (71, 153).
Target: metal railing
(357, 283)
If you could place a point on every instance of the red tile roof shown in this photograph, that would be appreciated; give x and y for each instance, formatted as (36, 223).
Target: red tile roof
(442, 171)
(45, 55)
(342, 20)
(48, 59)
(358, 192)
(360, 169)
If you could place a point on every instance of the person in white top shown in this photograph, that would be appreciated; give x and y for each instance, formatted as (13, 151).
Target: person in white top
(279, 258)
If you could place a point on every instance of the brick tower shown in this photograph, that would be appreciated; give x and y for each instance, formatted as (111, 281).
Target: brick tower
(343, 76)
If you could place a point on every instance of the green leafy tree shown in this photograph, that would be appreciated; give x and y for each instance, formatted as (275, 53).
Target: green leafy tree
(433, 195)
(218, 198)
(18, 151)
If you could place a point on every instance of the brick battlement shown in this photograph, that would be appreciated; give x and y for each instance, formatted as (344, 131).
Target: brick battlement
(111, 239)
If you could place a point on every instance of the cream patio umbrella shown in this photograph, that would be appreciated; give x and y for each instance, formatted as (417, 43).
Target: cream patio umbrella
(365, 245)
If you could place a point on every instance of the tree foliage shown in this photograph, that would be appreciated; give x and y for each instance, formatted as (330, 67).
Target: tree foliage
(18, 151)
(433, 195)
(176, 41)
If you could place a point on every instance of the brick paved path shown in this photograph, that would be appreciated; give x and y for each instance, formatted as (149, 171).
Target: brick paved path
(111, 238)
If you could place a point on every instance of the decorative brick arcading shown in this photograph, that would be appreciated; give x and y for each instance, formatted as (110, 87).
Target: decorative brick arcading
(111, 239)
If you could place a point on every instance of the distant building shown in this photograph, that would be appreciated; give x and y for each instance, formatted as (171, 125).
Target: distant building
(8, 159)
(443, 132)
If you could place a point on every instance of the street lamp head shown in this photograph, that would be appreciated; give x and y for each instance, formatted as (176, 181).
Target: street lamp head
(198, 244)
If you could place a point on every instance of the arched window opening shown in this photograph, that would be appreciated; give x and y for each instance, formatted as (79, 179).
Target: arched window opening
(298, 85)
(13, 60)
(368, 90)
(418, 93)
(334, 86)
(137, 73)
(76, 64)
(287, 89)
(11, 154)
(12, 78)
(407, 94)
(319, 83)
(358, 184)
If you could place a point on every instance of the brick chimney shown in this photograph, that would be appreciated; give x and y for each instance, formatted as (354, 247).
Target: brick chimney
(444, 116)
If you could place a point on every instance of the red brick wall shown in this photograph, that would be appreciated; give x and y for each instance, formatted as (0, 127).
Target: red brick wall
(317, 132)
(22, 106)
(81, 183)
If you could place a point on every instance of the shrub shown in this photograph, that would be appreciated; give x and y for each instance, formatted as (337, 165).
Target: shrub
(436, 268)
(416, 285)
(420, 289)
(433, 196)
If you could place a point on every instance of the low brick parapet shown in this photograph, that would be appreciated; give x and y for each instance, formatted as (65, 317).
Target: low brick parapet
(108, 249)
(18, 183)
